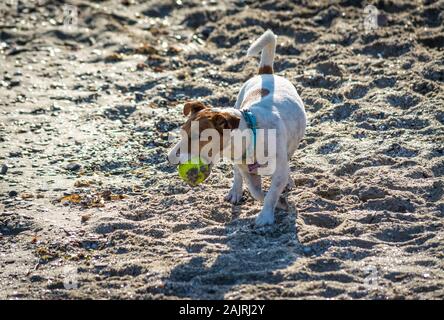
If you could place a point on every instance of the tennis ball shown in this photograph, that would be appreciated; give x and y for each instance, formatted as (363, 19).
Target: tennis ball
(194, 171)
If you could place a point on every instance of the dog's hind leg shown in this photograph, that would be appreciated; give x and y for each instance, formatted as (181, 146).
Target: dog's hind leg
(278, 183)
(283, 199)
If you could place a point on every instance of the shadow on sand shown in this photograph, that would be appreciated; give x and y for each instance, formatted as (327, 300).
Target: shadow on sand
(254, 257)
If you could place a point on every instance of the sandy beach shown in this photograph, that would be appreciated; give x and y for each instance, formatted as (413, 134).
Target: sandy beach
(91, 93)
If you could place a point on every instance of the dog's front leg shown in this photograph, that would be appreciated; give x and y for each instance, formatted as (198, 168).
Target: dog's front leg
(254, 184)
(235, 194)
(278, 182)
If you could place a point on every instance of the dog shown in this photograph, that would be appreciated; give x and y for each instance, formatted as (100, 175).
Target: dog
(267, 102)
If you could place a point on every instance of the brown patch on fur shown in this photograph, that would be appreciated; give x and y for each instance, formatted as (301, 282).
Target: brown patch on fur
(193, 107)
(209, 119)
(255, 95)
(266, 70)
(225, 120)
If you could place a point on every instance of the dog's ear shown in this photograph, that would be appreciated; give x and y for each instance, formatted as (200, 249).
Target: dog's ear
(193, 107)
(226, 121)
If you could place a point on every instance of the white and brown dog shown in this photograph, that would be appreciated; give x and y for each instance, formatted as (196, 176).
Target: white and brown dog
(266, 102)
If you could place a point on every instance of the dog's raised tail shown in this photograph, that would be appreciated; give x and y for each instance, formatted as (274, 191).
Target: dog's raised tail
(266, 44)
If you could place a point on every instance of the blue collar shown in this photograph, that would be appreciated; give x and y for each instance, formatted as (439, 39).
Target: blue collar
(250, 119)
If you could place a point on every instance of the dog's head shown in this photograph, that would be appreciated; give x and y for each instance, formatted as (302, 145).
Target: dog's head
(203, 132)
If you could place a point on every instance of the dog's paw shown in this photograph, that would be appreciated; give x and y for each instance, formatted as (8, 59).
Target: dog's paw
(234, 196)
(264, 218)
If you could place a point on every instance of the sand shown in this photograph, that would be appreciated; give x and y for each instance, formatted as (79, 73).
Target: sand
(90, 207)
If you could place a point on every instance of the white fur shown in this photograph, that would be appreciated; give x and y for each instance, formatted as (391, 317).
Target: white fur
(282, 109)
(267, 44)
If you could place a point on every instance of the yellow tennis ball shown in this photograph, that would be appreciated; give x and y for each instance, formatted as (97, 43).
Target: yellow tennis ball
(194, 171)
